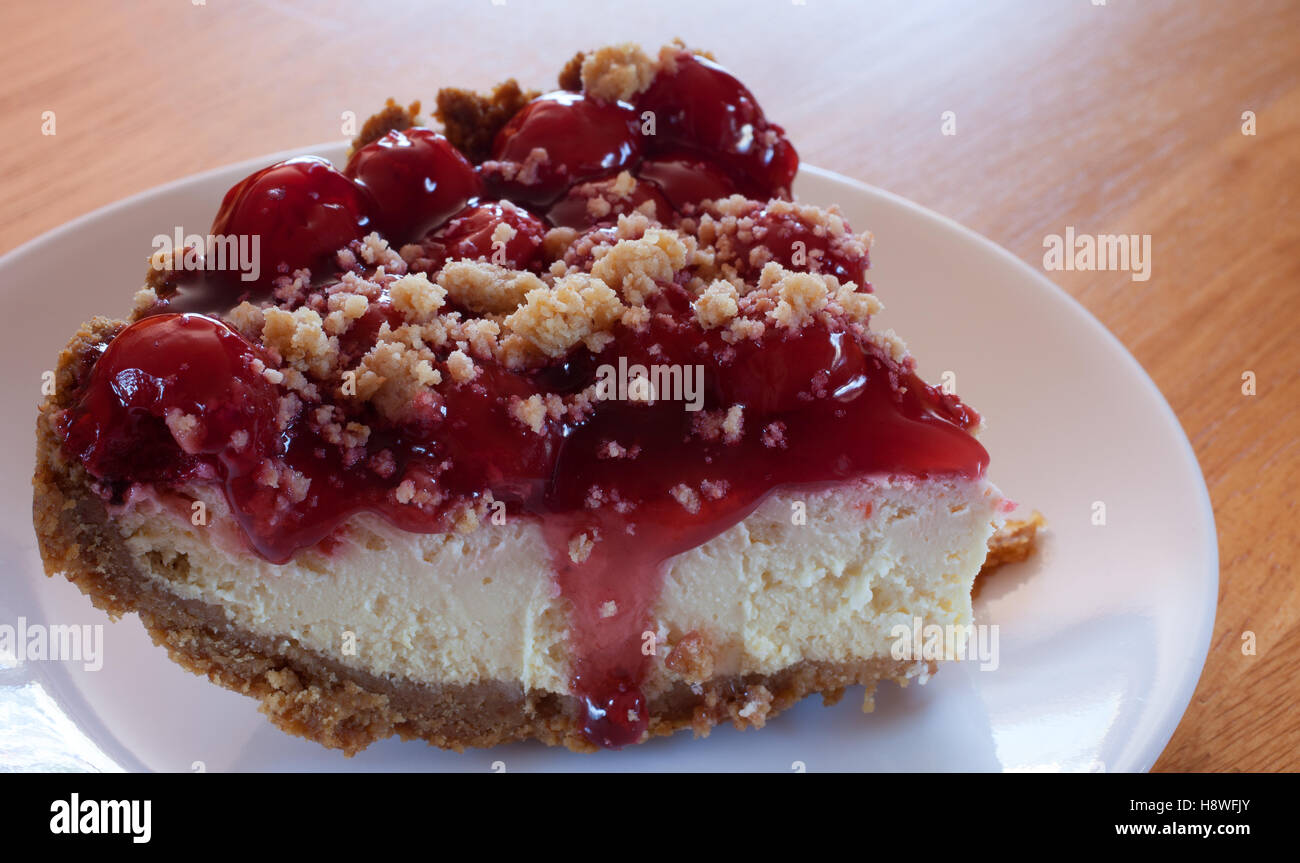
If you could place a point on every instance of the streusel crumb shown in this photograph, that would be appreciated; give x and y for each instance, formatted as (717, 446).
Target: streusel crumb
(580, 546)
(300, 339)
(637, 266)
(487, 288)
(576, 309)
(462, 368)
(617, 72)
(717, 306)
(799, 295)
(531, 412)
(393, 375)
(345, 308)
(686, 496)
(416, 297)
(388, 339)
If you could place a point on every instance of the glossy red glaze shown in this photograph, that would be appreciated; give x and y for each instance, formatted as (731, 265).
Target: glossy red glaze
(700, 106)
(686, 179)
(583, 139)
(842, 412)
(187, 364)
(573, 210)
(417, 179)
(797, 246)
(469, 235)
(303, 211)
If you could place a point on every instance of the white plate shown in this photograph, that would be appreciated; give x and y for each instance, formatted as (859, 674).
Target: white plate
(1102, 635)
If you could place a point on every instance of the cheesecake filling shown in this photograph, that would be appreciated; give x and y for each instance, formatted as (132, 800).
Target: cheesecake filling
(595, 345)
(462, 609)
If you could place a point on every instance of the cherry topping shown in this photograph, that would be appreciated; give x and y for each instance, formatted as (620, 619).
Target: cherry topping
(787, 238)
(473, 234)
(600, 203)
(169, 390)
(486, 446)
(686, 179)
(360, 337)
(701, 106)
(302, 209)
(799, 246)
(581, 139)
(417, 179)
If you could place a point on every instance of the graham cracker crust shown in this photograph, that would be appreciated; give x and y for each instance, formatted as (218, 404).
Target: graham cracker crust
(471, 120)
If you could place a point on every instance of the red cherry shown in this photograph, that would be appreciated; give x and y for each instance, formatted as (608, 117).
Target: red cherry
(774, 165)
(701, 103)
(780, 231)
(486, 447)
(701, 106)
(303, 211)
(472, 234)
(575, 209)
(189, 364)
(417, 179)
(583, 139)
(361, 335)
(686, 179)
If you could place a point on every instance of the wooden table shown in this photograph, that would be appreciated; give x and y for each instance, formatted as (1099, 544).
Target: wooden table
(1124, 117)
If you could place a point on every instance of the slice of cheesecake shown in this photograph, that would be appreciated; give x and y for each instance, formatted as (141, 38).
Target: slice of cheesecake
(567, 424)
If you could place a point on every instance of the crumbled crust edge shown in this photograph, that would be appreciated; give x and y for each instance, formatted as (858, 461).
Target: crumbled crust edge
(471, 120)
(390, 118)
(1015, 541)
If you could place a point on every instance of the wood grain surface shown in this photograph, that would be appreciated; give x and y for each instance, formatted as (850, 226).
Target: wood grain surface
(1122, 117)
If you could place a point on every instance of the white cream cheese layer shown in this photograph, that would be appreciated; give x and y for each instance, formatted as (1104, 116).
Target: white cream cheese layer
(822, 576)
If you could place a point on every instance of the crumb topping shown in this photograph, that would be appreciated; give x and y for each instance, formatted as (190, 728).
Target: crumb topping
(637, 267)
(617, 72)
(577, 308)
(717, 305)
(398, 332)
(485, 288)
(396, 376)
(415, 297)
